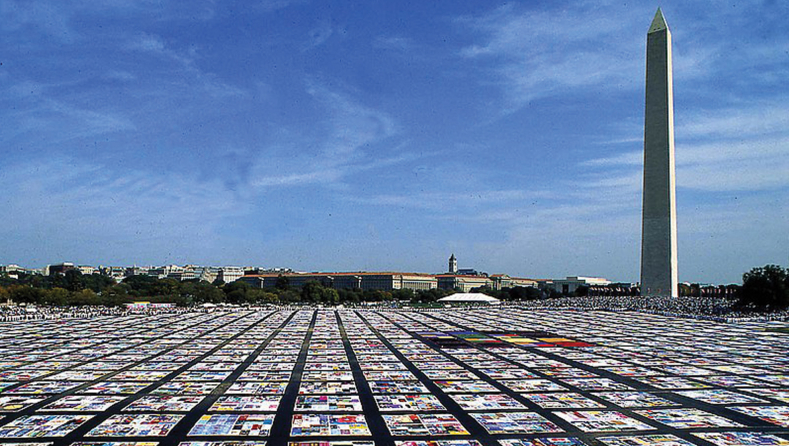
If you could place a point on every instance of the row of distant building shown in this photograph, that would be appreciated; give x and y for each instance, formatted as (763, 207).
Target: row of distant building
(454, 279)
(118, 273)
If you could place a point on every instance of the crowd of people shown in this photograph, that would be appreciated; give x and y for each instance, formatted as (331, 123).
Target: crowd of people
(711, 308)
(15, 313)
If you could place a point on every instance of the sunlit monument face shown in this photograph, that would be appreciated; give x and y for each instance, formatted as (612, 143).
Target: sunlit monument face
(659, 217)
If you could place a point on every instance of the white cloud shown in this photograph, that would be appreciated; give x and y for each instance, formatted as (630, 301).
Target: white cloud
(739, 166)
(109, 213)
(728, 150)
(300, 179)
(599, 47)
(184, 59)
(275, 5)
(350, 128)
(353, 125)
(444, 201)
(148, 42)
(319, 35)
(744, 121)
(759, 170)
(541, 53)
(394, 43)
(627, 159)
(48, 17)
(39, 113)
(120, 75)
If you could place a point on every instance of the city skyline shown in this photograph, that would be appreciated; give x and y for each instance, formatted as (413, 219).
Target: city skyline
(261, 269)
(322, 137)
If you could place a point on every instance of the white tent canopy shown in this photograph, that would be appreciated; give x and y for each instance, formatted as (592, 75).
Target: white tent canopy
(470, 298)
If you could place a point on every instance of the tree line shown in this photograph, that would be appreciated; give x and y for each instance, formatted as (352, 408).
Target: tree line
(74, 288)
(763, 289)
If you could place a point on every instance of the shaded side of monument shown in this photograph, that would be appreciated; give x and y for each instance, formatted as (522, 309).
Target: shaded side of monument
(659, 213)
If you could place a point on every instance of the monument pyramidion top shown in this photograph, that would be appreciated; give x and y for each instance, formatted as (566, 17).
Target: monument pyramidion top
(658, 23)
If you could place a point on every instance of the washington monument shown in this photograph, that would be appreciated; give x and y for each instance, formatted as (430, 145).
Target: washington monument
(659, 217)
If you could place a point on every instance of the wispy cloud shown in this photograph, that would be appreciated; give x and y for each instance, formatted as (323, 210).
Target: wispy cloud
(140, 209)
(539, 53)
(352, 124)
(318, 35)
(349, 129)
(148, 42)
(740, 166)
(741, 122)
(38, 111)
(329, 175)
(743, 149)
(49, 18)
(185, 59)
(716, 167)
(59, 21)
(627, 159)
(276, 5)
(456, 201)
(394, 43)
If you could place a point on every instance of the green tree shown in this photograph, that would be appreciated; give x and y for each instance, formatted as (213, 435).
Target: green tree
(206, 292)
(116, 294)
(26, 294)
(330, 296)
(74, 280)
(486, 290)
(236, 292)
(6, 280)
(96, 282)
(56, 296)
(282, 283)
(353, 296)
(87, 297)
(271, 298)
(312, 291)
(554, 294)
(140, 285)
(288, 296)
(373, 295)
(524, 293)
(433, 295)
(766, 287)
(255, 296)
(405, 294)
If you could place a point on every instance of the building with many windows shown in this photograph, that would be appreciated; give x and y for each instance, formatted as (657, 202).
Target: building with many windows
(462, 282)
(229, 274)
(501, 281)
(572, 283)
(87, 270)
(385, 281)
(59, 268)
(13, 271)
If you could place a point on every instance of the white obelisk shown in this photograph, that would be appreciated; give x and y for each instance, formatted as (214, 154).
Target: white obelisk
(659, 217)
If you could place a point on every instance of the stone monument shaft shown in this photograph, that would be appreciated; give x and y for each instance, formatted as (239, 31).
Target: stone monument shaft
(659, 213)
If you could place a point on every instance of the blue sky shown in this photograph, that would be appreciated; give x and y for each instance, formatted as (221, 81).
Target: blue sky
(326, 135)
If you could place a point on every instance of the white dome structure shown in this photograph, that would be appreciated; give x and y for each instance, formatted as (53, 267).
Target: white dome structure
(469, 298)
